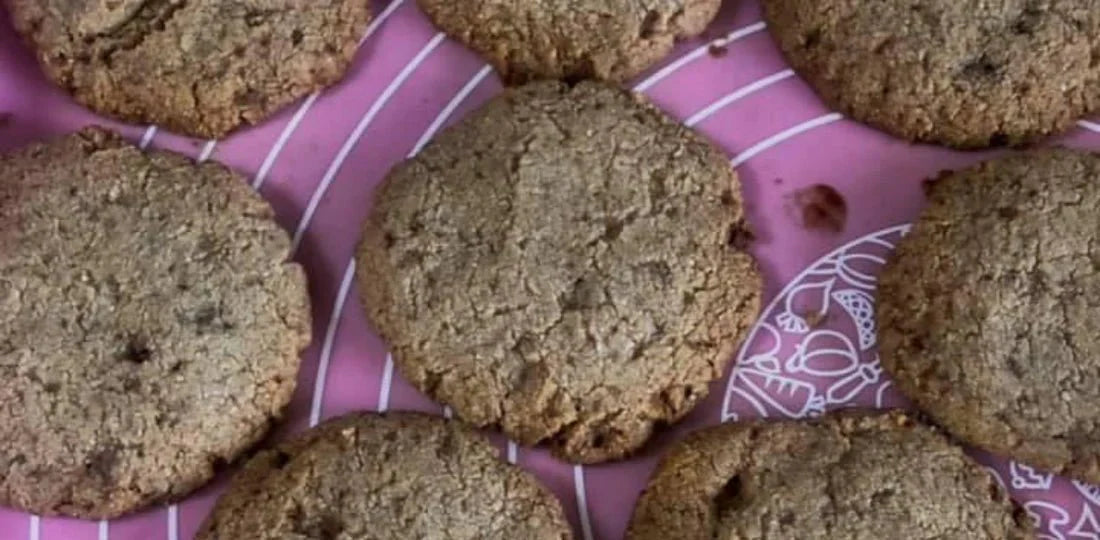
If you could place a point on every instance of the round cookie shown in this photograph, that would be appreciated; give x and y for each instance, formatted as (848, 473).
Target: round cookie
(963, 74)
(150, 327)
(398, 475)
(853, 475)
(568, 264)
(578, 39)
(201, 68)
(987, 311)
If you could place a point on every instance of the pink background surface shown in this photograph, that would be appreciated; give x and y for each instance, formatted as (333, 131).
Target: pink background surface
(319, 160)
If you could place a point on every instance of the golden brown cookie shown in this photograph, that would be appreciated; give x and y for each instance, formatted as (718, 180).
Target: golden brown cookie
(201, 67)
(963, 73)
(861, 476)
(575, 39)
(987, 312)
(566, 264)
(150, 326)
(385, 476)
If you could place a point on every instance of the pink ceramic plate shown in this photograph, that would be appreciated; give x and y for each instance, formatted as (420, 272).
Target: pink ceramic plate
(318, 162)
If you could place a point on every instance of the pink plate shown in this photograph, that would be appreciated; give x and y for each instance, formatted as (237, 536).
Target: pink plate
(318, 162)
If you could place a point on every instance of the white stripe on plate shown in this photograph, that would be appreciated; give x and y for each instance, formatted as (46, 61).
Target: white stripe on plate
(280, 143)
(104, 530)
(387, 383)
(147, 137)
(353, 139)
(448, 412)
(512, 452)
(173, 522)
(326, 346)
(582, 501)
(1091, 126)
(450, 109)
(300, 114)
(207, 150)
(736, 95)
(34, 528)
(693, 55)
(778, 138)
(377, 22)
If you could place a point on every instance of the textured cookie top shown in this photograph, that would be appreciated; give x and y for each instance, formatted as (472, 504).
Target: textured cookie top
(963, 73)
(149, 326)
(858, 476)
(571, 39)
(202, 67)
(987, 312)
(385, 476)
(567, 264)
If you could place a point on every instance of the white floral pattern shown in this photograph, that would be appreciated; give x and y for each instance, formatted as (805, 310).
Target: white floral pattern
(813, 350)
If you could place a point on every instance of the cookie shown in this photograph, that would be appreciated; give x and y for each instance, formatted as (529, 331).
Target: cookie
(963, 74)
(150, 327)
(987, 311)
(853, 475)
(580, 39)
(565, 264)
(400, 475)
(200, 68)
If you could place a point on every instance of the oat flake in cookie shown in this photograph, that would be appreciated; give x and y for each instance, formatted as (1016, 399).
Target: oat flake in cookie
(571, 39)
(149, 326)
(988, 310)
(567, 264)
(862, 476)
(397, 475)
(201, 67)
(964, 73)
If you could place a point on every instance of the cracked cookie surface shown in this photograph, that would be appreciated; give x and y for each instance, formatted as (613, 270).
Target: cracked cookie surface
(149, 326)
(987, 311)
(566, 264)
(967, 74)
(202, 68)
(395, 475)
(571, 39)
(858, 475)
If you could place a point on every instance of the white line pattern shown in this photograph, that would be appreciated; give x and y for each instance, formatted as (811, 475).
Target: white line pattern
(450, 109)
(173, 522)
(782, 136)
(147, 137)
(582, 502)
(34, 529)
(387, 383)
(207, 150)
(296, 120)
(353, 139)
(737, 95)
(695, 54)
(104, 530)
(326, 346)
(1091, 126)
(280, 143)
(377, 23)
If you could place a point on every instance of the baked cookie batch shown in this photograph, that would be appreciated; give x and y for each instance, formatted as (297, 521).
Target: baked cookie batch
(567, 265)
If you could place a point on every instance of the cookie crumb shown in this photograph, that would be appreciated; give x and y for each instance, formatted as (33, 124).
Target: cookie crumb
(815, 319)
(928, 184)
(821, 207)
(718, 48)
